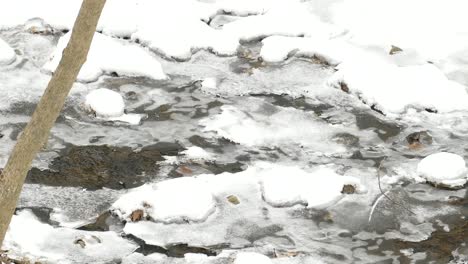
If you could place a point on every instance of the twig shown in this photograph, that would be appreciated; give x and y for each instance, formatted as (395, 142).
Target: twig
(384, 194)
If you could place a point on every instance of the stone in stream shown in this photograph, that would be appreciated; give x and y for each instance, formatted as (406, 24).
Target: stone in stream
(418, 140)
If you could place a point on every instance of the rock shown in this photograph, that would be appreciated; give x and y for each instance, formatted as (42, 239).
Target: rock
(233, 199)
(80, 242)
(38, 26)
(394, 50)
(137, 215)
(346, 139)
(419, 139)
(348, 189)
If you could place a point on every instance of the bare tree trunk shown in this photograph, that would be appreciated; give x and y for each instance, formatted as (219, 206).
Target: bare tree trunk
(37, 131)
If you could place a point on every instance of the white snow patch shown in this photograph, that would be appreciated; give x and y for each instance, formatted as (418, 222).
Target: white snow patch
(28, 237)
(105, 102)
(197, 153)
(251, 257)
(176, 200)
(393, 88)
(209, 83)
(286, 186)
(289, 18)
(108, 104)
(277, 48)
(444, 168)
(7, 54)
(108, 55)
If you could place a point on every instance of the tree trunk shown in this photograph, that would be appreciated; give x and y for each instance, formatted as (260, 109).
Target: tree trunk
(37, 131)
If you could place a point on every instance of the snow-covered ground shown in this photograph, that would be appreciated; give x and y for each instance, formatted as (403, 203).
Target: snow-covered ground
(243, 131)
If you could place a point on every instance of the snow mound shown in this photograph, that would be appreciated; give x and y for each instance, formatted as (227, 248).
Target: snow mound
(109, 55)
(290, 18)
(177, 200)
(105, 102)
(197, 153)
(60, 245)
(209, 83)
(278, 48)
(392, 89)
(316, 189)
(444, 168)
(110, 105)
(251, 257)
(7, 54)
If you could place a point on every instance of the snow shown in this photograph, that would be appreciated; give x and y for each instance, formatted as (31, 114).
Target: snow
(209, 83)
(197, 153)
(28, 237)
(277, 48)
(316, 189)
(391, 83)
(109, 55)
(177, 200)
(7, 54)
(289, 18)
(105, 103)
(444, 168)
(110, 105)
(251, 257)
(248, 87)
(393, 89)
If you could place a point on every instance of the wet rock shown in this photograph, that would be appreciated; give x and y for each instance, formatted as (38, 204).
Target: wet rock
(348, 189)
(300, 103)
(95, 167)
(344, 87)
(233, 199)
(165, 148)
(175, 250)
(184, 170)
(394, 50)
(104, 222)
(318, 216)
(137, 215)
(417, 140)
(346, 139)
(202, 142)
(80, 242)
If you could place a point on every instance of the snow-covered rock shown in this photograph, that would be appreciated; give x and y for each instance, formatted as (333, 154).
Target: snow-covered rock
(209, 83)
(316, 189)
(251, 257)
(110, 105)
(109, 55)
(444, 168)
(277, 48)
(392, 89)
(61, 245)
(7, 54)
(197, 153)
(105, 103)
(289, 18)
(176, 200)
